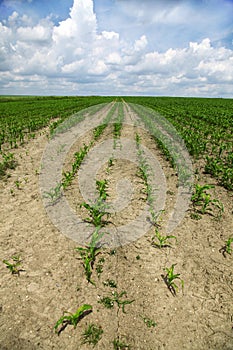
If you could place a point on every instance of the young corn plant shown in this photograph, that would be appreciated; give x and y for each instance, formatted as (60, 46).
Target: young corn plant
(160, 241)
(7, 162)
(154, 216)
(92, 334)
(101, 187)
(79, 156)
(169, 279)
(227, 249)
(228, 245)
(203, 203)
(110, 165)
(67, 179)
(72, 319)
(97, 132)
(15, 266)
(144, 171)
(117, 126)
(54, 193)
(90, 252)
(97, 210)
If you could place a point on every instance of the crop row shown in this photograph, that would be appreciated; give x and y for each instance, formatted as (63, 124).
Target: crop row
(205, 125)
(21, 117)
(97, 217)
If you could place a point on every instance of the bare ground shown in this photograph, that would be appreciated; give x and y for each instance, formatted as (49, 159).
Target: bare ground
(53, 278)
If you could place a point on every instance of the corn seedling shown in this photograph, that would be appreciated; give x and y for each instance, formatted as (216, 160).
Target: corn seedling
(108, 302)
(227, 247)
(101, 187)
(14, 266)
(67, 179)
(169, 279)
(96, 211)
(97, 132)
(202, 201)
(162, 241)
(72, 319)
(8, 162)
(110, 164)
(54, 193)
(120, 345)
(88, 254)
(148, 322)
(92, 334)
(154, 216)
(144, 172)
(17, 184)
(137, 139)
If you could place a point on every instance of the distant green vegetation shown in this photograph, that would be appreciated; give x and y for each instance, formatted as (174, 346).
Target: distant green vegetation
(206, 126)
(22, 116)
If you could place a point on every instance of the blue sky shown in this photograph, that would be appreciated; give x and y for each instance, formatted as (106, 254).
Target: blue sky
(116, 47)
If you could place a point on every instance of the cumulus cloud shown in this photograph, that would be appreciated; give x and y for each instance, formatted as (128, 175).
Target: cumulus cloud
(75, 57)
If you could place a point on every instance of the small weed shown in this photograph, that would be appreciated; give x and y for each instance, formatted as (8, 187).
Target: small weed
(92, 334)
(120, 345)
(148, 322)
(72, 319)
(110, 283)
(162, 241)
(195, 216)
(108, 302)
(99, 266)
(112, 252)
(169, 279)
(138, 257)
(14, 266)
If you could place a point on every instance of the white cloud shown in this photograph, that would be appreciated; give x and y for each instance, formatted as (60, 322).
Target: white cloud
(38, 33)
(47, 58)
(141, 43)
